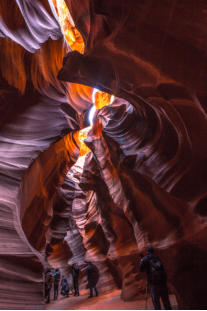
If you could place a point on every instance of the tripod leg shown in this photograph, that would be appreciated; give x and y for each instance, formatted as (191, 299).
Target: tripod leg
(146, 297)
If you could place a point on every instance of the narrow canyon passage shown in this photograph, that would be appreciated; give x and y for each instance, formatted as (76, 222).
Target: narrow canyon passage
(103, 125)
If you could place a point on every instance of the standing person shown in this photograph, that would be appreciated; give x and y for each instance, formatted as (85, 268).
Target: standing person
(64, 287)
(75, 278)
(48, 284)
(56, 283)
(70, 281)
(91, 279)
(157, 279)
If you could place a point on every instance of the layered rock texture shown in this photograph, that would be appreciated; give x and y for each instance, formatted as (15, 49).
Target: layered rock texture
(143, 180)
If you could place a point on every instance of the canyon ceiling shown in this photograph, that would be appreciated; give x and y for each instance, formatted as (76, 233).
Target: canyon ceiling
(71, 191)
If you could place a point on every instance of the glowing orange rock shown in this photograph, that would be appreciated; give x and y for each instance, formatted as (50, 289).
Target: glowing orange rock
(71, 33)
(101, 99)
(82, 134)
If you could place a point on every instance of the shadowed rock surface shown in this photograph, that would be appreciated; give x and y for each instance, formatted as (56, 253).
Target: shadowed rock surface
(143, 180)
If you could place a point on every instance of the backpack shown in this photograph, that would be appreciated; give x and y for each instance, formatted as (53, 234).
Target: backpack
(156, 271)
(48, 280)
(64, 287)
(57, 277)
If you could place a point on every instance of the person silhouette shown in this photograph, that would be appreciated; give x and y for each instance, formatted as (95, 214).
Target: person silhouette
(75, 278)
(157, 279)
(64, 287)
(48, 284)
(92, 279)
(56, 278)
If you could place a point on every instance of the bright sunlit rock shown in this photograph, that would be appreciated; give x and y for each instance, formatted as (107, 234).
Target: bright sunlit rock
(71, 33)
(81, 136)
(91, 114)
(101, 99)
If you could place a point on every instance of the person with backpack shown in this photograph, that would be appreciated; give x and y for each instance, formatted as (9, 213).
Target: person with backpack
(48, 284)
(157, 279)
(56, 277)
(64, 287)
(92, 279)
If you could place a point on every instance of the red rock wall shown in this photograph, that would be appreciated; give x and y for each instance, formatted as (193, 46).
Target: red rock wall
(31, 120)
(152, 56)
(144, 180)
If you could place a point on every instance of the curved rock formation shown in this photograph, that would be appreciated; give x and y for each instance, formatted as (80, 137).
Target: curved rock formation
(166, 95)
(143, 178)
(30, 122)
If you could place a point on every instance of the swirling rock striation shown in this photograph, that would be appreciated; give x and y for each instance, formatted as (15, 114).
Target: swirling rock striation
(144, 180)
(130, 51)
(31, 120)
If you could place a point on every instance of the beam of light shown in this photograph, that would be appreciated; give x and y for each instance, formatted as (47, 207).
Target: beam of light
(112, 99)
(99, 99)
(91, 114)
(93, 95)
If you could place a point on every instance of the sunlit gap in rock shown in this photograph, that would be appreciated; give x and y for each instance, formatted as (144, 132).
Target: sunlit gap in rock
(75, 41)
(71, 33)
(91, 114)
(99, 99)
(81, 136)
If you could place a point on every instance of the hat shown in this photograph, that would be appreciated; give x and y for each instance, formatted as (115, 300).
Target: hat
(150, 249)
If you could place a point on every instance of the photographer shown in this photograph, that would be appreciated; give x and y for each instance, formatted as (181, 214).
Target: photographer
(157, 279)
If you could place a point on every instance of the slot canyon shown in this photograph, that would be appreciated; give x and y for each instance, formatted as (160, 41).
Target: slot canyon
(103, 126)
